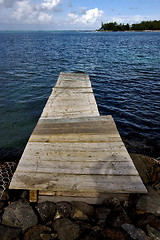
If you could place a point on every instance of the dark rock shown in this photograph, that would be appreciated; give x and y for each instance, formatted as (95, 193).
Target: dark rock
(145, 219)
(102, 214)
(113, 203)
(1, 205)
(37, 232)
(78, 214)
(155, 224)
(54, 236)
(126, 204)
(143, 166)
(117, 217)
(149, 203)
(64, 209)
(20, 215)
(24, 196)
(67, 230)
(135, 233)
(93, 236)
(45, 236)
(156, 186)
(5, 196)
(114, 234)
(153, 232)
(7, 233)
(85, 227)
(96, 228)
(46, 211)
(84, 207)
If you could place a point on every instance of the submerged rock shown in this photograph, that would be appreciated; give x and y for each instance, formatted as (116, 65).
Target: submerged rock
(46, 211)
(19, 215)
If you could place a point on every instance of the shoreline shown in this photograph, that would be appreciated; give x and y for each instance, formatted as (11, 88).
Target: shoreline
(128, 31)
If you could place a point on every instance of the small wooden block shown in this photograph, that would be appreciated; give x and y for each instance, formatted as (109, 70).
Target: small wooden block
(33, 196)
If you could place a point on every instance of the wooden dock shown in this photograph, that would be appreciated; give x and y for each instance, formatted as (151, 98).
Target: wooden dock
(73, 152)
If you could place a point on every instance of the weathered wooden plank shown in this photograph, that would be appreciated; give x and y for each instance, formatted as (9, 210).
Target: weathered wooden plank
(91, 147)
(75, 138)
(78, 194)
(78, 183)
(78, 120)
(39, 155)
(69, 103)
(100, 128)
(72, 114)
(60, 90)
(90, 168)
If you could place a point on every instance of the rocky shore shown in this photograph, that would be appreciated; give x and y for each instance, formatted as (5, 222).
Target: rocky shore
(137, 218)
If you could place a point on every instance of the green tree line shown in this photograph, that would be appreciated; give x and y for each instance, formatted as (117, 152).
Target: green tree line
(144, 25)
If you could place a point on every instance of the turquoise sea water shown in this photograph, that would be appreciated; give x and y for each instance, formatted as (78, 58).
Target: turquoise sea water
(124, 69)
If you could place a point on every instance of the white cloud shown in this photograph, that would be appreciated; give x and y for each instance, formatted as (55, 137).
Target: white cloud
(25, 12)
(130, 19)
(45, 18)
(88, 18)
(50, 4)
(91, 15)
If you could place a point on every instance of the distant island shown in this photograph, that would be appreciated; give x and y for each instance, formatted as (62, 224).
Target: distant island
(143, 26)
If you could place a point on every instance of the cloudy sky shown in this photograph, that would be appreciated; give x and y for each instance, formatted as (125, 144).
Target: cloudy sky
(73, 14)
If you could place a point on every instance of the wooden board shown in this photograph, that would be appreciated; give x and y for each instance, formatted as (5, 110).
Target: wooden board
(71, 97)
(73, 153)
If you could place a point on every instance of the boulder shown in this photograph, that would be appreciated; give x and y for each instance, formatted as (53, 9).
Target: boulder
(153, 229)
(38, 232)
(101, 214)
(7, 233)
(87, 209)
(153, 232)
(142, 164)
(19, 215)
(64, 209)
(118, 217)
(149, 203)
(93, 236)
(112, 203)
(114, 234)
(46, 211)
(135, 233)
(78, 214)
(66, 229)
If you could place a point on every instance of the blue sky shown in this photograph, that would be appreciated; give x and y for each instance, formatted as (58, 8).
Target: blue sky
(73, 14)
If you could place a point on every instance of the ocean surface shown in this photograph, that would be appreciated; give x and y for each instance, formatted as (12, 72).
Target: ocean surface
(124, 69)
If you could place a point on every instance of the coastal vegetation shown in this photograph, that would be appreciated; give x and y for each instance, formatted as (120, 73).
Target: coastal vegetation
(143, 26)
